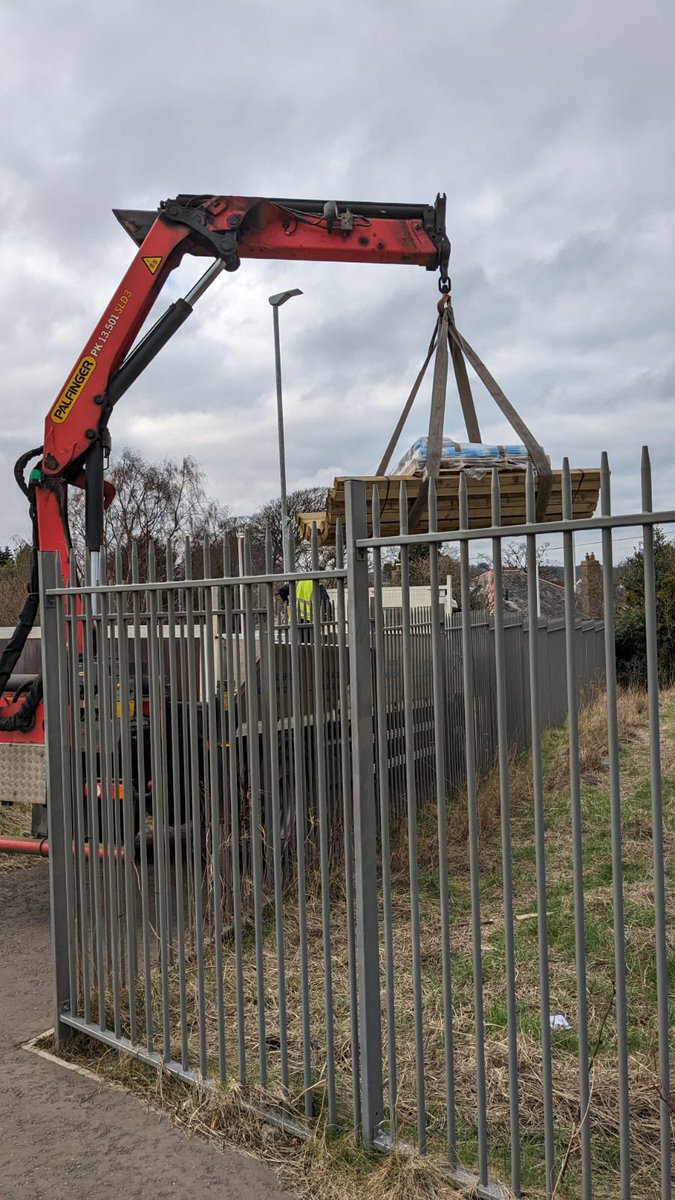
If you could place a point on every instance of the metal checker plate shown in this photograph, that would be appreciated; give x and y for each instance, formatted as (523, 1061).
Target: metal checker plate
(22, 773)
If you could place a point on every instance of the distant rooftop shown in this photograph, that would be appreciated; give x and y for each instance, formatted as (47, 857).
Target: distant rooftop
(551, 595)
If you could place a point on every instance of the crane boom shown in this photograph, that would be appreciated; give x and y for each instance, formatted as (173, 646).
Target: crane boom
(227, 229)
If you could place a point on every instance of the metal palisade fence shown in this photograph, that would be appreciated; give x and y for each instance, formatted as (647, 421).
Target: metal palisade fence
(327, 860)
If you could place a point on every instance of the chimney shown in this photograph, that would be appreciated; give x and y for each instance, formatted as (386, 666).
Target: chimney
(591, 589)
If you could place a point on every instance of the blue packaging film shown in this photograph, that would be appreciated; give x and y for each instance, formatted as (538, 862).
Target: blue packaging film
(462, 454)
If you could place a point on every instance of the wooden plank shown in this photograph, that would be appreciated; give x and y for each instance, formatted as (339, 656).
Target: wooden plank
(585, 491)
(481, 501)
(336, 503)
(477, 497)
(385, 481)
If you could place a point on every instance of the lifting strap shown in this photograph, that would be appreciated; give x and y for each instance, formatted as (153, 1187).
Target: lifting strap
(535, 451)
(446, 337)
(382, 469)
(463, 385)
(436, 421)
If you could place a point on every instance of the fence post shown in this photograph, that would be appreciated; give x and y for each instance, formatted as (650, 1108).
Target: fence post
(365, 826)
(52, 613)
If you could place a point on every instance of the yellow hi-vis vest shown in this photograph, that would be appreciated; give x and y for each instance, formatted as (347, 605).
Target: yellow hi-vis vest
(304, 590)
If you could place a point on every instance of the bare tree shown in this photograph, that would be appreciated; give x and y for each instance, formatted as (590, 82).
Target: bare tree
(268, 517)
(418, 558)
(514, 556)
(154, 503)
(14, 576)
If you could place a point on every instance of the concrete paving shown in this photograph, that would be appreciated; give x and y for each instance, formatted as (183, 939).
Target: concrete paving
(67, 1137)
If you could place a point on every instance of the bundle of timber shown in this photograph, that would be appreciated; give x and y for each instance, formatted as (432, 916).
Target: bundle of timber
(585, 491)
(473, 457)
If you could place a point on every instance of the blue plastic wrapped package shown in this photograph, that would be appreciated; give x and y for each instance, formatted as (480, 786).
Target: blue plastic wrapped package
(457, 456)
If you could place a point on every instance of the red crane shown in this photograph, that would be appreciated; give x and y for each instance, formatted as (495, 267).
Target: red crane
(226, 229)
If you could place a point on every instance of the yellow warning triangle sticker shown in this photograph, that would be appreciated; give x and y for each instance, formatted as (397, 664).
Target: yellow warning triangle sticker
(152, 263)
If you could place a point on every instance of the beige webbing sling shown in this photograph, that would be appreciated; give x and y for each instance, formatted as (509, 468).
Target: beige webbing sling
(448, 343)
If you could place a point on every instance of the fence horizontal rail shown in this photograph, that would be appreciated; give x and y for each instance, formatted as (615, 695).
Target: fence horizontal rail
(501, 532)
(181, 585)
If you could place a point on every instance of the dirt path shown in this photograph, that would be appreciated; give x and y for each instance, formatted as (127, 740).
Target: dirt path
(64, 1136)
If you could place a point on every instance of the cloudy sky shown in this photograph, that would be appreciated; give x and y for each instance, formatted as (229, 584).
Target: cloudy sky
(550, 127)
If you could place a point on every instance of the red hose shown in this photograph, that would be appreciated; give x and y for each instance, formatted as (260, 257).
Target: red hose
(41, 848)
(24, 846)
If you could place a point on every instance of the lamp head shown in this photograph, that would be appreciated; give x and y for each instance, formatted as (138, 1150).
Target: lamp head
(281, 297)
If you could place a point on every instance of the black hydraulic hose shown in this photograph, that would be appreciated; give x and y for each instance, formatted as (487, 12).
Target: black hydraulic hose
(138, 360)
(24, 718)
(11, 653)
(22, 686)
(20, 466)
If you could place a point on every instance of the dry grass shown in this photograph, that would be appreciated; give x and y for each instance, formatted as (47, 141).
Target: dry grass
(409, 1177)
(328, 1166)
(15, 822)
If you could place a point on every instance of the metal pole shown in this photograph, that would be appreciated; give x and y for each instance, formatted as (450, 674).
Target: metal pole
(411, 805)
(660, 909)
(280, 435)
(324, 847)
(240, 590)
(503, 748)
(365, 828)
(348, 825)
(440, 691)
(381, 707)
(95, 567)
(276, 302)
(52, 614)
(539, 837)
(573, 702)
(474, 861)
(614, 755)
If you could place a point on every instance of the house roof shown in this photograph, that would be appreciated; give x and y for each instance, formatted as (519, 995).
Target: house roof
(515, 581)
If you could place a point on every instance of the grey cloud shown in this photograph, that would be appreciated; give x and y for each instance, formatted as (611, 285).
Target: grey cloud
(551, 128)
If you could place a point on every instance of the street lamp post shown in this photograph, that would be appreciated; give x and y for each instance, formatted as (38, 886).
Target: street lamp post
(242, 571)
(276, 302)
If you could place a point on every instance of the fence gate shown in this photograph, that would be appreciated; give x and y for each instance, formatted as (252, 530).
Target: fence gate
(375, 867)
